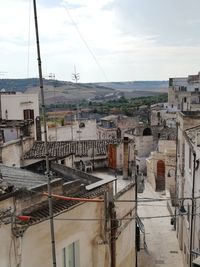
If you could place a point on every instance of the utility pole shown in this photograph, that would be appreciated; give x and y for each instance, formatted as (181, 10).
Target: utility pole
(52, 76)
(45, 138)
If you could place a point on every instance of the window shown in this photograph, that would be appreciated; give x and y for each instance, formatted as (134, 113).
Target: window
(71, 255)
(28, 114)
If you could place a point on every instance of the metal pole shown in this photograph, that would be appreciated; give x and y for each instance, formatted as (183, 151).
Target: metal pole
(192, 212)
(45, 138)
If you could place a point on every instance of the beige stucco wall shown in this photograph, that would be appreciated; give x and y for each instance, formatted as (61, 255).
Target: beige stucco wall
(12, 151)
(36, 241)
(34, 247)
(125, 243)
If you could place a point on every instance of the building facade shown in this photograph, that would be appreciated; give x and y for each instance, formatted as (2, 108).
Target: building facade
(188, 122)
(100, 232)
(184, 93)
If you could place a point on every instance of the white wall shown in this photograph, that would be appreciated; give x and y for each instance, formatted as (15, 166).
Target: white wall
(65, 133)
(16, 103)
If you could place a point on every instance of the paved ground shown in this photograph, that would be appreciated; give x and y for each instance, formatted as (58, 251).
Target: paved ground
(161, 239)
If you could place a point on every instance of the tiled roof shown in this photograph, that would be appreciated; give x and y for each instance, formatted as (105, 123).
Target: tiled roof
(41, 213)
(62, 149)
(192, 133)
(20, 178)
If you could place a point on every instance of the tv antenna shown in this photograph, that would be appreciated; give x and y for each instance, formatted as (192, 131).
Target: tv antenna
(75, 75)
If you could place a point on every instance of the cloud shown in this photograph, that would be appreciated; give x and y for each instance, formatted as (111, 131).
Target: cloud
(130, 39)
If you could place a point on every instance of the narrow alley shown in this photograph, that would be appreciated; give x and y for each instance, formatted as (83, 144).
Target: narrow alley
(162, 244)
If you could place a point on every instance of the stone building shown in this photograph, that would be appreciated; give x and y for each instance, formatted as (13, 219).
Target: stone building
(184, 93)
(163, 114)
(161, 166)
(114, 126)
(98, 233)
(145, 140)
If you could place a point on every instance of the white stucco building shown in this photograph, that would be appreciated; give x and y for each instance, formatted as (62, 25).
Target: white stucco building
(75, 131)
(18, 106)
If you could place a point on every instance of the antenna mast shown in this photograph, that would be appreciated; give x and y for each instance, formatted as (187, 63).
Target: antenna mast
(75, 75)
(45, 137)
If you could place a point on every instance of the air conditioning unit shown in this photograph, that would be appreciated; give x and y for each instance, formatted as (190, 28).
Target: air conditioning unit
(196, 262)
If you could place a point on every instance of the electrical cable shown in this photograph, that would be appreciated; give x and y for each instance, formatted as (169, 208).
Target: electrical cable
(141, 200)
(104, 219)
(29, 37)
(86, 44)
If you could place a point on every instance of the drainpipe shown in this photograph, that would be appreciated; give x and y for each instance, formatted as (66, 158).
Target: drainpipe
(22, 150)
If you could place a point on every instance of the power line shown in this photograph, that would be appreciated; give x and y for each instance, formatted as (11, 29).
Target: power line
(86, 44)
(29, 37)
(104, 219)
(140, 200)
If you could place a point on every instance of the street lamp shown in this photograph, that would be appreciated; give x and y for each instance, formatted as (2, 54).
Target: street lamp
(183, 211)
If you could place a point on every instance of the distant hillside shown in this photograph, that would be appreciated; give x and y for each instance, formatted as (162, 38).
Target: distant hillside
(21, 85)
(137, 85)
(59, 92)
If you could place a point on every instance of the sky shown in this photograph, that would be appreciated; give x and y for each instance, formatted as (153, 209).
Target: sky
(106, 40)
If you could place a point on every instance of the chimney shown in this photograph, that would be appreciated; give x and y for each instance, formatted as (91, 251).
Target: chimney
(126, 159)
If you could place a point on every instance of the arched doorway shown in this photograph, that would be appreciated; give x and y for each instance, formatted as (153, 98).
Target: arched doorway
(160, 179)
(147, 132)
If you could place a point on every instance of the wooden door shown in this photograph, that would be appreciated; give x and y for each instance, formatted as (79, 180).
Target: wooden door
(160, 180)
(112, 156)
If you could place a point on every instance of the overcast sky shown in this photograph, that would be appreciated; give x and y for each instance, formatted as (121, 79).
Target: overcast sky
(107, 40)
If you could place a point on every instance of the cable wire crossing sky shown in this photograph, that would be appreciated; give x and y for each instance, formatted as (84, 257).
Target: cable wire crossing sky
(107, 40)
